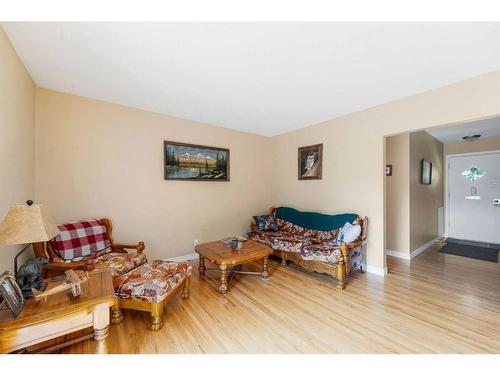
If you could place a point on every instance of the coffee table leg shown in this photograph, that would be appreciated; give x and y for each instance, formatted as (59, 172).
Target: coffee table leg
(223, 279)
(201, 266)
(265, 273)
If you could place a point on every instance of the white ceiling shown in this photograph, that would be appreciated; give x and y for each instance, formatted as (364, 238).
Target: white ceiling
(264, 78)
(450, 134)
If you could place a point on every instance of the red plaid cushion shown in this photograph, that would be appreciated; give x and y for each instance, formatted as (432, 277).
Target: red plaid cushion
(80, 239)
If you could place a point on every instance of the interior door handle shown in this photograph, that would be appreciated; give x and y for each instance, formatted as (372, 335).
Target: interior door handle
(496, 202)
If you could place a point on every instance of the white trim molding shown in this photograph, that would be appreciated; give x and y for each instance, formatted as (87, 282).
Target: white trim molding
(414, 253)
(376, 270)
(422, 248)
(184, 258)
(398, 254)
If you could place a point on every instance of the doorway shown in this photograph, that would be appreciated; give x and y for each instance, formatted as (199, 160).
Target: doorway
(473, 197)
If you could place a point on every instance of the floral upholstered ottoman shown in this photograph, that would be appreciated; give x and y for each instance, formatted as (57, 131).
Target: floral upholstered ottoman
(149, 287)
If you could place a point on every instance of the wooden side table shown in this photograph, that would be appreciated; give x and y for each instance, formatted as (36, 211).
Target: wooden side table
(61, 314)
(229, 261)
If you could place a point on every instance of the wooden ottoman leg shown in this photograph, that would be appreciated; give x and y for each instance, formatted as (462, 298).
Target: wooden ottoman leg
(156, 313)
(116, 313)
(185, 290)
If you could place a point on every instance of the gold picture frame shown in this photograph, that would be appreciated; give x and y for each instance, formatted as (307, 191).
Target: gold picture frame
(190, 162)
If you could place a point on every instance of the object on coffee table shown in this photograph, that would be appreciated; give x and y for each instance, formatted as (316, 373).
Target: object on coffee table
(73, 282)
(234, 244)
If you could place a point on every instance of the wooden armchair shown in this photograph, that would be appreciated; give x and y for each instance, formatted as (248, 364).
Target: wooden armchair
(57, 265)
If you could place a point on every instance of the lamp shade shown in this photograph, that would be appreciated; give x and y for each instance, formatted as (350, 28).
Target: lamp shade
(27, 224)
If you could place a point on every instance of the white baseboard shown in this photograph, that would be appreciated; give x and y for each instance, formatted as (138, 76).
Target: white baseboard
(422, 248)
(398, 254)
(184, 258)
(376, 271)
(414, 253)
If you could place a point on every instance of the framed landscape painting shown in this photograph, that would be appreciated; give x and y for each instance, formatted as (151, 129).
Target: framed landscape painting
(310, 162)
(188, 162)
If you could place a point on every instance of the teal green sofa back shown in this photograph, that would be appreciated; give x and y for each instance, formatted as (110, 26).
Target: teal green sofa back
(314, 220)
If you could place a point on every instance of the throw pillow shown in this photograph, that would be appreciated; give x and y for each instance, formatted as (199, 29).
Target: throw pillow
(266, 223)
(349, 233)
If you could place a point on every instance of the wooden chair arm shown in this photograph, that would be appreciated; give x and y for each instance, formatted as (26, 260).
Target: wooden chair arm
(63, 266)
(138, 246)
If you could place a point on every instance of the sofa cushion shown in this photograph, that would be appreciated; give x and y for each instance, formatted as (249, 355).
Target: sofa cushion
(119, 263)
(79, 239)
(314, 220)
(316, 236)
(279, 241)
(266, 223)
(152, 281)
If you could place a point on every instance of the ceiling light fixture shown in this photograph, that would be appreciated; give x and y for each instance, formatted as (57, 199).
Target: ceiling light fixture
(471, 138)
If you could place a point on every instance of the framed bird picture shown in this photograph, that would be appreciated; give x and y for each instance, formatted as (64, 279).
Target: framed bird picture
(310, 162)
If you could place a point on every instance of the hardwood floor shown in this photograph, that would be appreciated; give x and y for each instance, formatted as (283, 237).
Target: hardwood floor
(437, 304)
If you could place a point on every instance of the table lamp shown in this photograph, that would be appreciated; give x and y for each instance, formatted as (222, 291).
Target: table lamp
(27, 224)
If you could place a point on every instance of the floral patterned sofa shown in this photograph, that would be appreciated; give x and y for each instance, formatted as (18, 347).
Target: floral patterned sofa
(311, 240)
(139, 284)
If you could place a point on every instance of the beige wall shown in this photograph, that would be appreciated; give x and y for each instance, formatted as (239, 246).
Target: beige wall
(353, 162)
(17, 105)
(398, 193)
(425, 199)
(96, 159)
(481, 145)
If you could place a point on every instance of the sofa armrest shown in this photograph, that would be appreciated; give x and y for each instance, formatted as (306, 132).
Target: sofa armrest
(355, 244)
(138, 246)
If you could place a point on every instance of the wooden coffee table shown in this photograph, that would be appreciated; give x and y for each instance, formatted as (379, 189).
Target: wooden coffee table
(229, 261)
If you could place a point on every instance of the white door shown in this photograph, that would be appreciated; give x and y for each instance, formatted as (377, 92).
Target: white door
(474, 197)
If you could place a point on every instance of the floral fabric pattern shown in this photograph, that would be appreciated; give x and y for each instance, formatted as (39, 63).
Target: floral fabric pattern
(327, 253)
(309, 243)
(317, 236)
(280, 241)
(151, 282)
(119, 263)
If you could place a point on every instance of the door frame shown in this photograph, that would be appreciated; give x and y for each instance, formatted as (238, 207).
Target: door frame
(446, 184)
